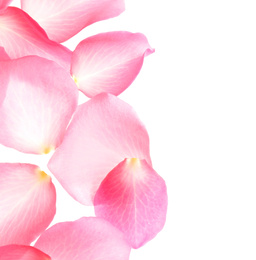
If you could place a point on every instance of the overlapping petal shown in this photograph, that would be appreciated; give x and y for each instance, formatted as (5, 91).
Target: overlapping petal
(27, 204)
(63, 19)
(108, 62)
(19, 252)
(4, 4)
(21, 36)
(3, 54)
(133, 198)
(39, 102)
(87, 239)
(103, 132)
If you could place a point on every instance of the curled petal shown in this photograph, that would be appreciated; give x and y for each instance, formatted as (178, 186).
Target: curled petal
(27, 205)
(19, 252)
(133, 198)
(108, 62)
(103, 132)
(4, 4)
(21, 36)
(39, 102)
(63, 19)
(87, 239)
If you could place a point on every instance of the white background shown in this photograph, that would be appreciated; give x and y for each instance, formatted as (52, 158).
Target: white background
(196, 95)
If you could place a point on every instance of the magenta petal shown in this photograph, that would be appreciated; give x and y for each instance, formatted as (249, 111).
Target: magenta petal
(27, 205)
(133, 197)
(85, 239)
(19, 252)
(62, 19)
(4, 4)
(108, 62)
(39, 102)
(103, 132)
(21, 36)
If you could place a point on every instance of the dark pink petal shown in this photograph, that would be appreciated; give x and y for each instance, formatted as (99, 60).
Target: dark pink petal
(21, 36)
(27, 205)
(63, 19)
(133, 198)
(103, 132)
(19, 252)
(108, 62)
(39, 102)
(4, 4)
(85, 239)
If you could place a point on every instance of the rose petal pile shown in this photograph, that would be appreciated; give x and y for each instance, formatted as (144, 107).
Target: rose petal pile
(101, 155)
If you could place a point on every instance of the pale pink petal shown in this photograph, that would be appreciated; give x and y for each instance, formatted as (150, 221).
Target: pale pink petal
(19, 252)
(133, 198)
(62, 19)
(40, 100)
(4, 4)
(3, 54)
(27, 205)
(21, 36)
(103, 132)
(108, 62)
(84, 239)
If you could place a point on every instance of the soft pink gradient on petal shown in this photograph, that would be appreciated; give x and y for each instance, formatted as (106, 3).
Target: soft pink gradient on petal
(62, 19)
(108, 62)
(85, 239)
(103, 132)
(40, 99)
(27, 205)
(3, 54)
(21, 36)
(4, 4)
(133, 197)
(19, 252)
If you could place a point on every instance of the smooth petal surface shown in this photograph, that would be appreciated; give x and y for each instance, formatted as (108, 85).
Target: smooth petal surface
(19, 252)
(133, 197)
(21, 36)
(103, 132)
(3, 54)
(108, 62)
(84, 239)
(4, 4)
(39, 102)
(63, 19)
(27, 203)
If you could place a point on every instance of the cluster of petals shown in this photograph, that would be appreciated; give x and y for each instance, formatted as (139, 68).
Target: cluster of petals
(101, 148)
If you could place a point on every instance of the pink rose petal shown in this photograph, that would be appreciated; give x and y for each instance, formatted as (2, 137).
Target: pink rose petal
(85, 239)
(133, 198)
(4, 4)
(21, 36)
(27, 205)
(40, 100)
(108, 62)
(103, 132)
(19, 252)
(63, 19)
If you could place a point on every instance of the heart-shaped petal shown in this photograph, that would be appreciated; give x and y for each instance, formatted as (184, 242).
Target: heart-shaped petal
(19, 252)
(103, 132)
(63, 19)
(133, 197)
(108, 62)
(21, 36)
(27, 204)
(39, 102)
(87, 239)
